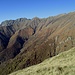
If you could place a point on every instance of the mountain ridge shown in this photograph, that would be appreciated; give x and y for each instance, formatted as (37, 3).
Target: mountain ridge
(29, 42)
(21, 19)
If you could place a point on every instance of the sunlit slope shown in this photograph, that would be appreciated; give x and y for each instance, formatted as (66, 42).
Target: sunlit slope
(62, 64)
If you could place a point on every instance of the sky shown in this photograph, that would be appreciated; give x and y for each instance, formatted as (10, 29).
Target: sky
(13, 9)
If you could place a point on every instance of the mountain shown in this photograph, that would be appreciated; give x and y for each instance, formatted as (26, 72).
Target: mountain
(26, 42)
(61, 64)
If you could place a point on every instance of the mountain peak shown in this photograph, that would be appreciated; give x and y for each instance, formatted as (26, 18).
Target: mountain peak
(35, 18)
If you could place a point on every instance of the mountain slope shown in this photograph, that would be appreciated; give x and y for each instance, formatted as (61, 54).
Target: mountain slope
(30, 41)
(62, 64)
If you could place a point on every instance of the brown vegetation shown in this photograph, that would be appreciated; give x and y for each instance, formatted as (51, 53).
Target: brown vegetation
(28, 42)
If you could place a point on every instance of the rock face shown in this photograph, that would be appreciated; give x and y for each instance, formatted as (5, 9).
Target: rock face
(25, 42)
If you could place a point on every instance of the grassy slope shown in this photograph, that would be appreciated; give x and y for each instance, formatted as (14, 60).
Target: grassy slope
(62, 64)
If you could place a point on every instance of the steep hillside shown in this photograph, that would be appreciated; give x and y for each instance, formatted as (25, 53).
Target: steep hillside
(26, 42)
(62, 64)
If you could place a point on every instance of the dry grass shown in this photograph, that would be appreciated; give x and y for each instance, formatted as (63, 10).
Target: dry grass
(62, 64)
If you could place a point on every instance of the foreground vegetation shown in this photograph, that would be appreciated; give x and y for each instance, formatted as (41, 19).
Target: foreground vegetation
(62, 64)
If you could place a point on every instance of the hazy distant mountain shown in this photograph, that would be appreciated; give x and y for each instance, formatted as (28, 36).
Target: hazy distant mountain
(25, 42)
